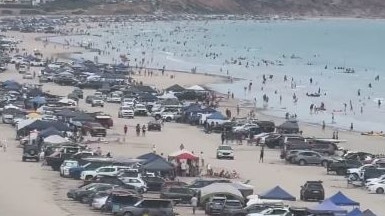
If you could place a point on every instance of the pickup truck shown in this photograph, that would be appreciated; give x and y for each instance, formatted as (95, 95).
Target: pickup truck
(94, 129)
(340, 167)
(105, 171)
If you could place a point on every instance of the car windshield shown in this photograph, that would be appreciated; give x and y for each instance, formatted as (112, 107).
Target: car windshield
(126, 108)
(225, 147)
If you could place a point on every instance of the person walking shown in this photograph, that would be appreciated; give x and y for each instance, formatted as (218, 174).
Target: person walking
(125, 130)
(261, 154)
(194, 203)
(144, 130)
(223, 137)
(137, 129)
(351, 126)
(323, 125)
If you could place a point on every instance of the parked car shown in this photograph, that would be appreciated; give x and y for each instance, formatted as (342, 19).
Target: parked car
(215, 205)
(275, 211)
(225, 151)
(154, 125)
(89, 99)
(232, 208)
(312, 190)
(178, 194)
(355, 174)
(140, 110)
(99, 200)
(118, 199)
(97, 101)
(378, 187)
(94, 129)
(31, 152)
(137, 182)
(126, 112)
(82, 194)
(340, 167)
(27, 75)
(66, 166)
(310, 157)
(106, 171)
(152, 206)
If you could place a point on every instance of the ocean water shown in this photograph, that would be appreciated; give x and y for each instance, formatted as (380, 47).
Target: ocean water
(300, 50)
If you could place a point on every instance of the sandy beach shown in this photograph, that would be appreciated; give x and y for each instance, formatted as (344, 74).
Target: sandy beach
(30, 189)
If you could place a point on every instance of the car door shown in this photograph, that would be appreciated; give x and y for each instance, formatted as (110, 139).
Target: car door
(317, 158)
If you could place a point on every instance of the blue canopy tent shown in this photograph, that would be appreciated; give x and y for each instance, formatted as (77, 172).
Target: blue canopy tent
(158, 165)
(367, 212)
(277, 193)
(217, 116)
(39, 100)
(355, 212)
(341, 200)
(327, 206)
(149, 157)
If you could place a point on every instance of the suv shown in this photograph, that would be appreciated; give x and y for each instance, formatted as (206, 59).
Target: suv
(94, 129)
(225, 151)
(31, 152)
(66, 166)
(312, 190)
(310, 157)
(178, 194)
(97, 101)
(126, 112)
(149, 206)
(215, 205)
(154, 125)
(106, 171)
(232, 208)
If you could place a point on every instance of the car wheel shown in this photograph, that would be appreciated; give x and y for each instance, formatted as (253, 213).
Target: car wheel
(302, 162)
(340, 172)
(324, 163)
(380, 190)
(84, 199)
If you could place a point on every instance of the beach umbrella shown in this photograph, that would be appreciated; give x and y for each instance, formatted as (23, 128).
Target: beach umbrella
(184, 155)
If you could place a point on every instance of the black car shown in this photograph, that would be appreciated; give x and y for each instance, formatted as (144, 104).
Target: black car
(178, 194)
(312, 190)
(154, 125)
(154, 183)
(83, 194)
(31, 152)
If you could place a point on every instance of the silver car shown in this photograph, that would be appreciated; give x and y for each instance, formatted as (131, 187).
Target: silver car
(155, 207)
(310, 157)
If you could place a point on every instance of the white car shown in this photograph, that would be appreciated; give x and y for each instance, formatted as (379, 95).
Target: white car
(141, 109)
(129, 102)
(36, 63)
(272, 212)
(355, 174)
(17, 59)
(23, 69)
(97, 101)
(126, 112)
(107, 171)
(137, 182)
(377, 188)
(374, 180)
(49, 117)
(65, 167)
(225, 151)
(114, 98)
(28, 75)
(244, 127)
(99, 202)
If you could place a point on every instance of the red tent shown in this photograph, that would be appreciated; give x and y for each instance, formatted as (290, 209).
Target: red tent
(183, 155)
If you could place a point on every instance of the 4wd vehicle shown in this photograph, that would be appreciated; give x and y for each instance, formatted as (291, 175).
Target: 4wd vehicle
(340, 167)
(312, 190)
(83, 194)
(126, 112)
(178, 194)
(97, 101)
(310, 157)
(118, 199)
(154, 125)
(106, 171)
(232, 208)
(151, 206)
(31, 152)
(225, 151)
(66, 166)
(140, 110)
(94, 129)
(215, 205)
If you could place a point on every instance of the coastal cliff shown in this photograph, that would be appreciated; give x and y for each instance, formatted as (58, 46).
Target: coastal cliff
(288, 8)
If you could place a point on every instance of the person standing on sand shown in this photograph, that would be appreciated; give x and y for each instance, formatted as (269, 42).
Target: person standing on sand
(351, 126)
(323, 125)
(223, 137)
(261, 154)
(144, 130)
(333, 118)
(125, 130)
(238, 110)
(194, 203)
